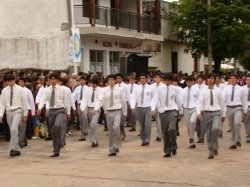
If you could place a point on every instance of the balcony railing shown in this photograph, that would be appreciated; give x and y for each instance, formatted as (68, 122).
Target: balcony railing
(84, 14)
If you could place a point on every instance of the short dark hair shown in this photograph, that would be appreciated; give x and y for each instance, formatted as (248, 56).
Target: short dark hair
(83, 77)
(234, 75)
(143, 75)
(210, 75)
(54, 75)
(9, 77)
(168, 77)
(119, 75)
(200, 76)
(95, 80)
(190, 78)
(21, 79)
(111, 76)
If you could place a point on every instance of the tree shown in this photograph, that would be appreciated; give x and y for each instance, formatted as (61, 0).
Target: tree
(230, 22)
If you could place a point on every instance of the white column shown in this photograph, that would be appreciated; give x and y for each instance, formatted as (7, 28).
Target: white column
(106, 63)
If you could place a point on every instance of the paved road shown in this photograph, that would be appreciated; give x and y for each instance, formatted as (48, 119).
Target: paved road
(82, 166)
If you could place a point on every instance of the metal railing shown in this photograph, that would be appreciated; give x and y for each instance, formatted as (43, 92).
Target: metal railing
(83, 14)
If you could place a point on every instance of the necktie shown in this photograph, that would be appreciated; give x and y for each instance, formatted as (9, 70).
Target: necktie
(81, 93)
(188, 98)
(52, 97)
(232, 96)
(211, 97)
(111, 98)
(11, 96)
(248, 98)
(142, 94)
(167, 96)
(93, 96)
(131, 89)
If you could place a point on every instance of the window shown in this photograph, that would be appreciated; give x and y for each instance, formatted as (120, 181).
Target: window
(87, 7)
(114, 62)
(96, 61)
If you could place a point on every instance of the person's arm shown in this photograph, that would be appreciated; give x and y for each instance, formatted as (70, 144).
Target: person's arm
(2, 107)
(24, 102)
(32, 103)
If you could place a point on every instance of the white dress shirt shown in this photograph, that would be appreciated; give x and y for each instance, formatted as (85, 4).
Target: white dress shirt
(221, 86)
(61, 98)
(205, 100)
(123, 86)
(194, 95)
(86, 101)
(200, 86)
(30, 101)
(238, 99)
(128, 89)
(68, 91)
(155, 85)
(119, 100)
(245, 90)
(39, 94)
(136, 97)
(19, 100)
(77, 92)
(160, 99)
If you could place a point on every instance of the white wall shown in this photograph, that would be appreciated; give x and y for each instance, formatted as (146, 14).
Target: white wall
(30, 34)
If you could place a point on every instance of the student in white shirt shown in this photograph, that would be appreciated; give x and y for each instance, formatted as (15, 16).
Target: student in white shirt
(88, 104)
(14, 101)
(189, 102)
(167, 100)
(236, 103)
(114, 103)
(141, 99)
(246, 89)
(211, 109)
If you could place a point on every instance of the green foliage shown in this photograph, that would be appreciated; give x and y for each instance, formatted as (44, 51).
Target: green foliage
(230, 22)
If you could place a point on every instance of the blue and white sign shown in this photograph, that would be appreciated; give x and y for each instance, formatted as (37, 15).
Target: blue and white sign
(77, 45)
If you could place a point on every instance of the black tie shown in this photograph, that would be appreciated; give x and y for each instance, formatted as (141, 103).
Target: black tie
(232, 96)
(211, 97)
(11, 96)
(52, 98)
(81, 93)
(248, 98)
(93, 96)
(131, 89)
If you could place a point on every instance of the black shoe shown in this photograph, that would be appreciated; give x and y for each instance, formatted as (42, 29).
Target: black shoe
(85, 134)
(131, 130)
(78, 128)
(117, 150)
(94, 144)
(233, 147)
(174, 152)
(123, 137)
(55, 155)
(210, 157)
(200, 141)
(139, 134)
(48, 139)
(158, 139)
(105, 129)
(112, 154)
(192, 146)
(221, 135)
(247, 141)
(82, 139)
(238, 144)
(177, 134)
(23, 145)
(145, 144)
(229, 130)
(215, 152)
(167, 155)
(14, 153)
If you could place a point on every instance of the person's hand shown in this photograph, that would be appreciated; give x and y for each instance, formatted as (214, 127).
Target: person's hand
(154, 113)
(199, 116)
(124, 117)
(82, 112)
(38, 112)
(24, 119)
(68, 117)
(94, 112)
(47, 112)
(1, 119)
(180, 116)
(133, 110)
(223, 119)
(74, 112)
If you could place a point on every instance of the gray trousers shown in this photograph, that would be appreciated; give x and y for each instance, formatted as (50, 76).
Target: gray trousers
(234, 116)
(131, 117)
(93, 120)
(247, 123)
(212, 121)
(14, 119)
(190, 116)
(57, 120)
(113, 122)
(145, 120)
(168, 125)
(22, 134)
(158, 125)
(200, 129)
(83, 119)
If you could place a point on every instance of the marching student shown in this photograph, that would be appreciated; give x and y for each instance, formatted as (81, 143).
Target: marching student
(142, 99)
(114, 103)
(77, 97)
(14, 101)
(167, 100)
(236, 103)
(247, 117)
(59, 111)
(31, 113)
(189, 100)
(130, 89)
(157, 82)
(88, 104)
(211, 109)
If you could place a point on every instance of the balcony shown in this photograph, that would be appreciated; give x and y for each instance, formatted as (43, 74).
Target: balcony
(86, 16)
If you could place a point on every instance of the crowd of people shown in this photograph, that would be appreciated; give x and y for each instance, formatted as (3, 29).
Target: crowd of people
(60, 99)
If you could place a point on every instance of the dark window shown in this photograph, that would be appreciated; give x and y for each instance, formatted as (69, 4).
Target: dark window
(174, 59)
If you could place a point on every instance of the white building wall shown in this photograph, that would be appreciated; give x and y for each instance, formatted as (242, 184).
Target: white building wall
(30, 34)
